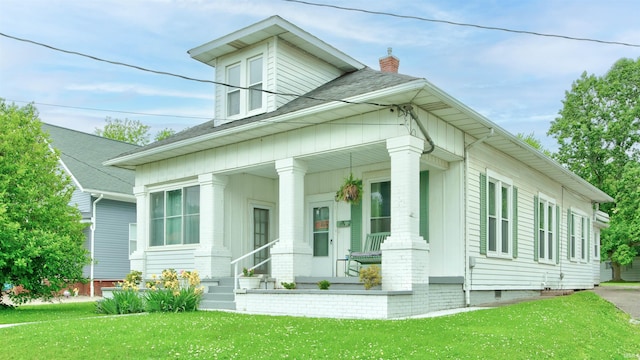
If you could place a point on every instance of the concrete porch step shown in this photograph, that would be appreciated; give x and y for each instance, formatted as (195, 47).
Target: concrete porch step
(218, 295)
(337, 283)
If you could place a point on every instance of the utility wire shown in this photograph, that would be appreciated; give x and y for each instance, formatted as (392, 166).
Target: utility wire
(183, 76)
(110, 110)
(463, 24)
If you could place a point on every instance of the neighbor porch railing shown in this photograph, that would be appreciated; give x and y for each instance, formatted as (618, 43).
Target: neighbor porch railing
(235, 262)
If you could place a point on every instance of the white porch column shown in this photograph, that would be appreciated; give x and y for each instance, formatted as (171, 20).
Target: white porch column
(291, 256)
(137, 259)
(212, 258)
(405, 254)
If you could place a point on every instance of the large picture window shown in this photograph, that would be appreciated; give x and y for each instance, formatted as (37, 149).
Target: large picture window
(175, 217)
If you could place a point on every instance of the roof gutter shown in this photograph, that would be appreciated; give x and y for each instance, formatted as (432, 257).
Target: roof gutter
(409, 86)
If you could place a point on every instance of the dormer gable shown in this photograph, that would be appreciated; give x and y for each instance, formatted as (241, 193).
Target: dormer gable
(268, 64)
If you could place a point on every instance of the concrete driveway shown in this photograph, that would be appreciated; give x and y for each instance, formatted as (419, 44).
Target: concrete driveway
(625, 298)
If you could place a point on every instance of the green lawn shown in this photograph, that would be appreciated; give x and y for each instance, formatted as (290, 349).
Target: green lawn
(579, 326)
(48, 312)
(620, 283)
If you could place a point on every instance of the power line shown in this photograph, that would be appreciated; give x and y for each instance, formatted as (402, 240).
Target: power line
(484, 27)
(111, 110)
(183, 76)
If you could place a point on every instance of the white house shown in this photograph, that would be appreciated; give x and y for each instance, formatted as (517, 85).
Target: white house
(474, 213)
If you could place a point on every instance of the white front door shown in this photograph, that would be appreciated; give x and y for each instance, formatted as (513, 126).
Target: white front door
(322, 238)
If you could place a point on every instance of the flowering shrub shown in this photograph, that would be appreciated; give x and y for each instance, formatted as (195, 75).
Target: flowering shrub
(168, 293)
(370, 276)
(173, 293)
(248, 273)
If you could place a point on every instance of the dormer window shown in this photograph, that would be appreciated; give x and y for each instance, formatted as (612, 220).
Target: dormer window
(246, 74)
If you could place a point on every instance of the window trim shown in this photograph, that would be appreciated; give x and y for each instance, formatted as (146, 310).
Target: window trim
(549, 202)
(244, 93)
(500, 179)
(367, 199)
(164, 191)
(582, 252)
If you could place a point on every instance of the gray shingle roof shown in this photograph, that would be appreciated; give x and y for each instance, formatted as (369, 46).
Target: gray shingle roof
(348, 85)
(83, 155)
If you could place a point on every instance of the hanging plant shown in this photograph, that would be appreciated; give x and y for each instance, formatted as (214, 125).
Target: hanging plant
(350, 191)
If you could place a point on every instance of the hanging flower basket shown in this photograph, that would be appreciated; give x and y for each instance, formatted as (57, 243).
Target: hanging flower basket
(350, 191)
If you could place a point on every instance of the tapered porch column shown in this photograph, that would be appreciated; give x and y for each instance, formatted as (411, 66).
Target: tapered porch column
(138, 257)
(291, 256)
(405, 254)
(212, 258)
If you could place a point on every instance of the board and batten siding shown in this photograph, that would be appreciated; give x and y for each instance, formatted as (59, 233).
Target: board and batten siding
(523, 272)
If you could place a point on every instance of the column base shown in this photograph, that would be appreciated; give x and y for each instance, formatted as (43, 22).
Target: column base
(289, 262)
(213, 263)
(405, 263)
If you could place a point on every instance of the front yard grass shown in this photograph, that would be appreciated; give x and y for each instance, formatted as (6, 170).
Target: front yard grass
(620, 283)
(578, 326)
(47, 312)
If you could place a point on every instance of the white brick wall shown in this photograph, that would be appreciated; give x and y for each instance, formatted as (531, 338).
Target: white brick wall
(445, 296)
(357, 304)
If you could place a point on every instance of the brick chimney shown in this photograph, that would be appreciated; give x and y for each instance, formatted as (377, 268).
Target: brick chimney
(389, 63)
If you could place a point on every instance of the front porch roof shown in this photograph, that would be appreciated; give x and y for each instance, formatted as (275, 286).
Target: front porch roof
(356, 93)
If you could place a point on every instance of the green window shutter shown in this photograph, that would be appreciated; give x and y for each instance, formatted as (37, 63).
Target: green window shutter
(568, 234)
(483, 214)
(514, 226)
(557, 234)
(588, 239)
(356, 226)
(424, 205)
(536, 230)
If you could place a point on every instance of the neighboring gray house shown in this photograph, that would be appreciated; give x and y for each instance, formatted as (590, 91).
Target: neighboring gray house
(104, 195)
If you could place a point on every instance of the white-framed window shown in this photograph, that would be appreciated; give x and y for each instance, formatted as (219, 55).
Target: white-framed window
(133, 237)
(546, 228)
(578, 229)
(233, 92)
(244, 96)
(175, 216)
(596, 245)
(499, 215)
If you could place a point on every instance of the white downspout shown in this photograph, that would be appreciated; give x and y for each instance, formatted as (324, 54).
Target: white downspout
(93, 233)
(468, 267)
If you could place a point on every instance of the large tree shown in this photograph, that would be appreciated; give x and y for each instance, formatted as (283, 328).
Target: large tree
(598, 132)
(131, 131)
(41, 236)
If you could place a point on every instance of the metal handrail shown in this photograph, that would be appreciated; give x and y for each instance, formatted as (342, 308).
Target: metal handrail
(235, 262)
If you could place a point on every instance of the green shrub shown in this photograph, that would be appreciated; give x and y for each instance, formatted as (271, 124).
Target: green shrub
(167, 300)
(123, 302)
(324, 284)
(287, 285)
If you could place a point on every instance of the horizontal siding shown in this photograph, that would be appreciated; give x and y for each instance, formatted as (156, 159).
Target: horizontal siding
(492, 273)
(112, 238)
(178, 259)
(299, 72)
(82, 199)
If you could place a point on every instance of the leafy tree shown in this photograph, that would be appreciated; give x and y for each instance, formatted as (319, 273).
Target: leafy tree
(163, 134)
(598, 132)
(41, 236)
(131, 131)
(534, 142)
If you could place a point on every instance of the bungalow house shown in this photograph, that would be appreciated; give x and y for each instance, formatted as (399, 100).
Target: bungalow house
(104, 196)
(471, 213)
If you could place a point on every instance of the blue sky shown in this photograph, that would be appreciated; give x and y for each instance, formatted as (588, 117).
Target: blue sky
(517, 81)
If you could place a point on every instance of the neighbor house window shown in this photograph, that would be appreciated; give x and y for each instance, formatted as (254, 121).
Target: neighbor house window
(547, 229)
(175, 217)
(380, 207)
(498, 216)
